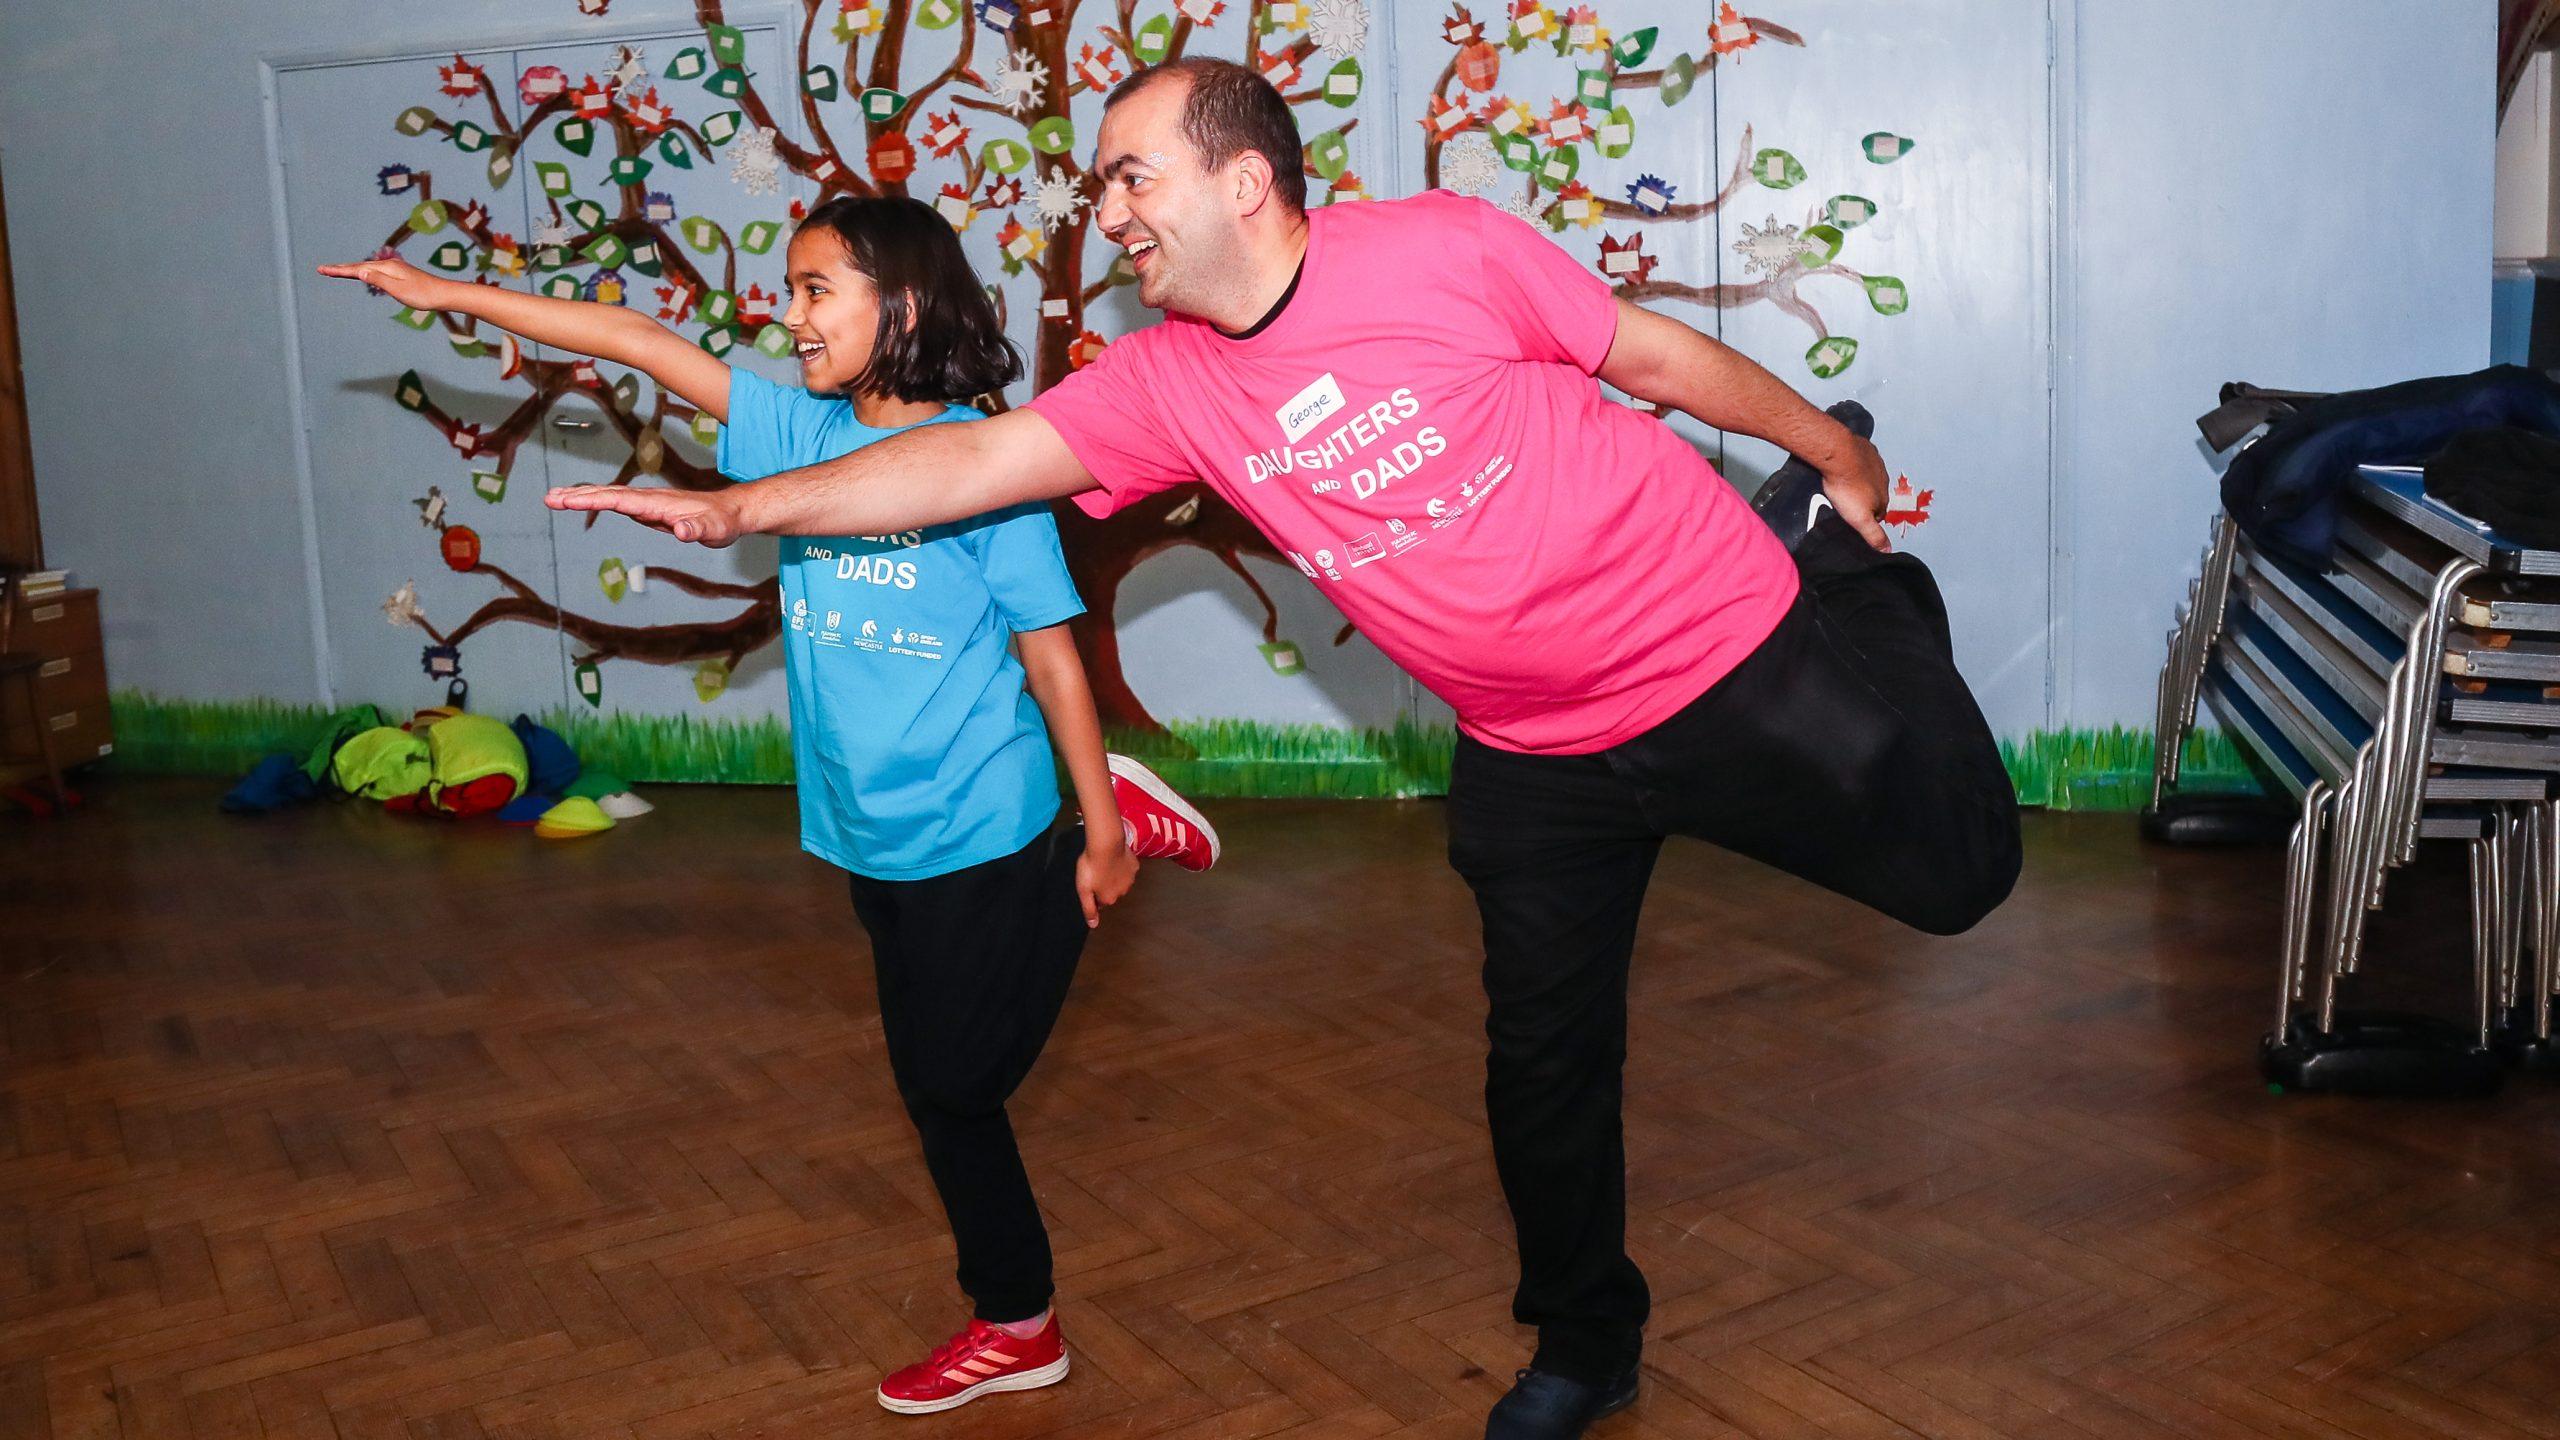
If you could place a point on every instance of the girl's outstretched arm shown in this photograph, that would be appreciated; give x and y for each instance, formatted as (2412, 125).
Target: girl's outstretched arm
(606, 332)
(1055, 674)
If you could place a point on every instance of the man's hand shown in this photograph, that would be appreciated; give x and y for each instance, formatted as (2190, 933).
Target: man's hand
(1105, 871)
(398, 279)
(702, 519)
(1857, 487)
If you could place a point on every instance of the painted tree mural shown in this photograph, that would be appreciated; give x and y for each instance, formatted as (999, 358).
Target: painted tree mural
(974, 107)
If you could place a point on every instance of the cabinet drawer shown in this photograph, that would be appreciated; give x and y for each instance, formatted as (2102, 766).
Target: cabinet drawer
(67, 680)
(78, 734)
(56, 625)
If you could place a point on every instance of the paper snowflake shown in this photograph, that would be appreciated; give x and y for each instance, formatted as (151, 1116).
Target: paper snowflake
(1018, 78)
(402, 608)
(1470, 165)
(753, 165)
(630, 64)
(1524, 203)
(553, 231)
(1339, 27)
(1768, 248)
(1056, 199)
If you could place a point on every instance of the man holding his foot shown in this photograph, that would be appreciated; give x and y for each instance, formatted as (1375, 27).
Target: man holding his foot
(1404, 396)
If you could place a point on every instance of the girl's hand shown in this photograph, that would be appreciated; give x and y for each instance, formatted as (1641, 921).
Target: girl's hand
(1105, 871)
(398, 279)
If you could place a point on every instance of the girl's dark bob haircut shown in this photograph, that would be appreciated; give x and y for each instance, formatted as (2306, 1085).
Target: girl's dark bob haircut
(939, 338)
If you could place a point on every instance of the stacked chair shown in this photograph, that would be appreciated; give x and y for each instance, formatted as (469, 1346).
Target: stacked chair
(2410, 692)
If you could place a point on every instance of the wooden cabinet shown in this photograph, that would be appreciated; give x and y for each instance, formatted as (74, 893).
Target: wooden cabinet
(71, 688)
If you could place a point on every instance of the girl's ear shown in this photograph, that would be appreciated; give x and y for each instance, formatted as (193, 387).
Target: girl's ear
(912, 307)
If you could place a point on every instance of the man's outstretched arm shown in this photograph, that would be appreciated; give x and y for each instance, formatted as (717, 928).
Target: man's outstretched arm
(1656, 358)
(930, 475)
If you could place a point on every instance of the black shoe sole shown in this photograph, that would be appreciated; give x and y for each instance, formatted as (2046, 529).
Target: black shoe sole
(1785, 500)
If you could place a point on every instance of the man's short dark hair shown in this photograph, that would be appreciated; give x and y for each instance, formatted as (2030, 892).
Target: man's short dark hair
(1228, 111)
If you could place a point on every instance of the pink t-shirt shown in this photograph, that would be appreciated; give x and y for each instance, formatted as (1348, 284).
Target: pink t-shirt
(1420, 432)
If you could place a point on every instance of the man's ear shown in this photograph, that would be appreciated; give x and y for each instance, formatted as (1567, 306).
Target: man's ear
(1253, 182)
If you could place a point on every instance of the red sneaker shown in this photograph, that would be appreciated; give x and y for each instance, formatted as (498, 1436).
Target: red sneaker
(978, 1361)
(1160, 824)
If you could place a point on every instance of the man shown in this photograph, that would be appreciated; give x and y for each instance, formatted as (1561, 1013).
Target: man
(1402, 396)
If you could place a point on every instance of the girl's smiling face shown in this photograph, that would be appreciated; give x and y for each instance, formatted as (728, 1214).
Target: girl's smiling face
(834, 318)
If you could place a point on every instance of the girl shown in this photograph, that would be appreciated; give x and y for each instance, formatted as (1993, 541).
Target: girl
(924, 768)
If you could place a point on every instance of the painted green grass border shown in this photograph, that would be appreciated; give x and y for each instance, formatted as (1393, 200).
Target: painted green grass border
(2064, 770)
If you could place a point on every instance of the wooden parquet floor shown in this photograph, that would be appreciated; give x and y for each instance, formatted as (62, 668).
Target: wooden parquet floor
(338, 1125)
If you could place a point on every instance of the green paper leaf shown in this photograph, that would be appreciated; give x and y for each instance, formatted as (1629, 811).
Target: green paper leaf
(1777, 169)
(414, 319)
(489, 485)
(1557, 168)
(1617, 134)
(757, 236)
(706, 430)
(1849, 211)
(1004, 156)
(428, 217)
(1635, 47)
(628, 170)
(673, 150)
(451, 255)
(720, 128)
(719, 340)
(467, 347)
(820, 81)
(415, 120)
(469, 137)
(938, 14)
(590, 683)
(691, 63)
(1884, 147)
(728, 83)
(502, 166)
(702, 233)
(1592, 88)
(1342, 84)
(554, 177)
(1819, 245)
(880, 105)
(1054, 136)
(728, 43)
(645, 259)
(1328, 156)
(626, 392)
(773, 340)
(410, 391)
(613, 579)
(587, 213)
(1519, 152)
(1888, 294)
(1284, 657)
(561, 287)
(716, 307)
(1155, 40)
(710, 680)
(607, 250)
(575, 135)
(1831, 355)
(1677, 77)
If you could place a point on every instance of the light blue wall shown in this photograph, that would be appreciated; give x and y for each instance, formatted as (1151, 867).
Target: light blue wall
(2293, 194)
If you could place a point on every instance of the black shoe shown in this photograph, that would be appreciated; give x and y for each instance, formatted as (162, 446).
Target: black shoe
(1790, 500)
(1543, 1406)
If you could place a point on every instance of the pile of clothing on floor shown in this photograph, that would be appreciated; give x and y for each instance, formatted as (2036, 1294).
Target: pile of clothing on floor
(2488, 444)
(448, 762)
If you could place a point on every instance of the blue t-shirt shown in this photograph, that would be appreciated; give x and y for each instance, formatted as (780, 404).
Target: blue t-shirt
(919, 751)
